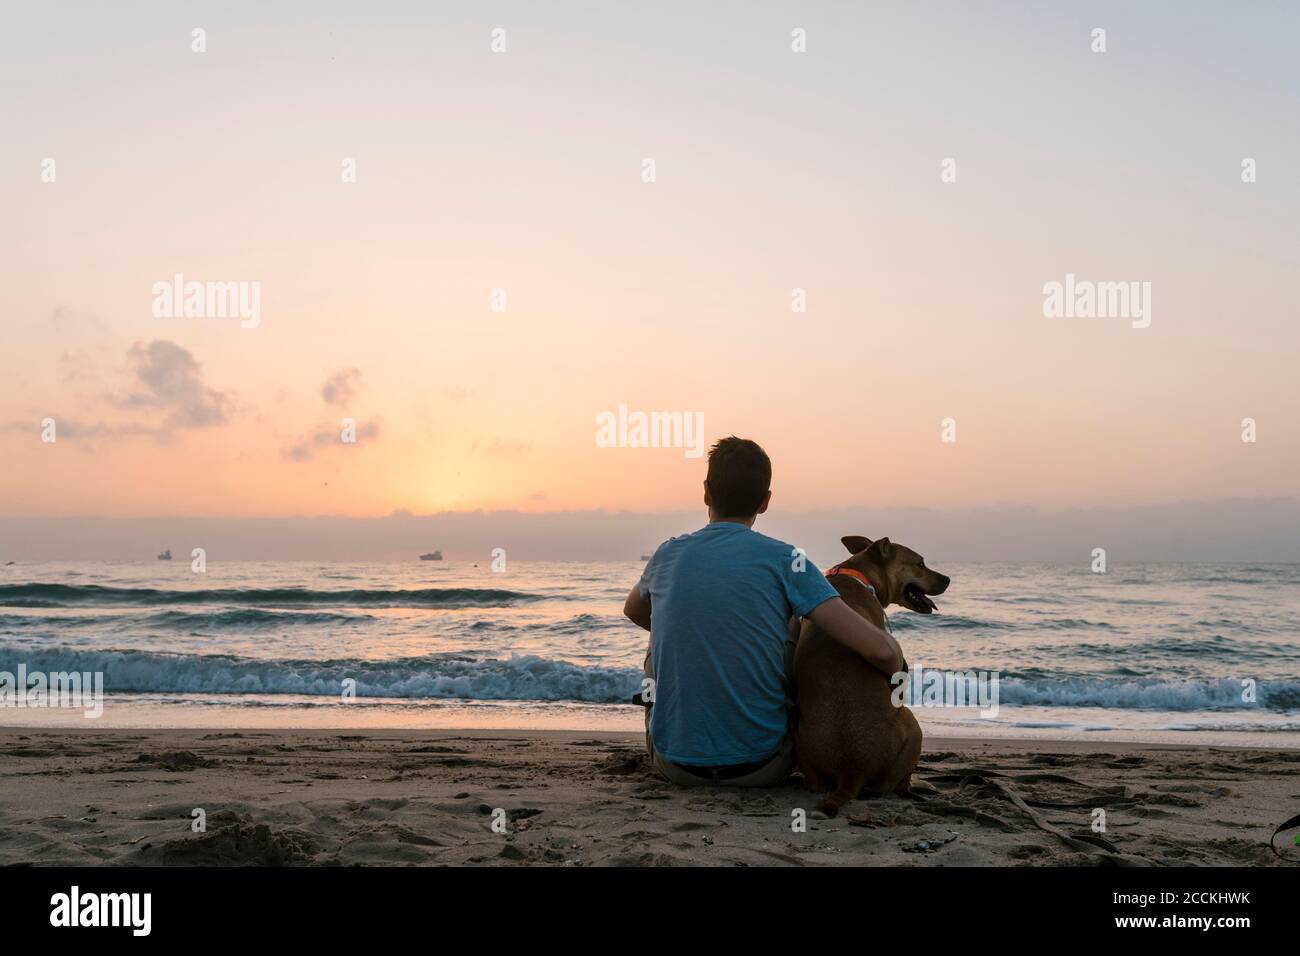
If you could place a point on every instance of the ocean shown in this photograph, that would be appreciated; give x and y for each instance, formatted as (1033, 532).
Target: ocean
(1183, 653)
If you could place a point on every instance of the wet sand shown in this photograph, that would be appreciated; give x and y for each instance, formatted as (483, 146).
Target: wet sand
(562, 798)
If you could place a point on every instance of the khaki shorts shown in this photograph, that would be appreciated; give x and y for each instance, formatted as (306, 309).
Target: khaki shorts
(772, 774)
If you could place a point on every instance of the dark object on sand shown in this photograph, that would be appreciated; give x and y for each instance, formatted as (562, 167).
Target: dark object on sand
(431, 556)
(1293, 822)
(165, 555)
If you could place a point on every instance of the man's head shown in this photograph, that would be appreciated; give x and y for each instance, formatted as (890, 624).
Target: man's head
(738, 484)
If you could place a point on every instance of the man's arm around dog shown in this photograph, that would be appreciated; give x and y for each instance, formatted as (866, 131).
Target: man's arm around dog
(875, 646)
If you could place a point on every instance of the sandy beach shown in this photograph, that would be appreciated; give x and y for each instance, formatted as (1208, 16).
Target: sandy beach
(320, 798)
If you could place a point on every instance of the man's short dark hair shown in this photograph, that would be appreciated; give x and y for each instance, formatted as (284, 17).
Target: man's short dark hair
(740, 475)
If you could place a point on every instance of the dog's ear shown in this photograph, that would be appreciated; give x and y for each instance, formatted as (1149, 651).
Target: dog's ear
(855, 543)
(884, 549)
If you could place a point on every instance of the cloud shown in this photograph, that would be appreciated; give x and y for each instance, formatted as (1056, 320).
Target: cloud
(327, 436)
(339, 390)
(85, 433)
(165, 386)
(81, 367)
(70, 321)
(168, 378)
(341, 387)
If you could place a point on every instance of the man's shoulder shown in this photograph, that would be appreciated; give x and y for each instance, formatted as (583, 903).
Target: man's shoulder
(774, 545)
(746, 540)
(677, 541)
(672, 548)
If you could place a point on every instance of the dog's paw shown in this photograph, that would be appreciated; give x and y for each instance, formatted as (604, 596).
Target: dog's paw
(818, 815)
(919, 790)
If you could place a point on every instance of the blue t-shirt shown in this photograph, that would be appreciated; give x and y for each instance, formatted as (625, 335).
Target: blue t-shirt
(720, 600)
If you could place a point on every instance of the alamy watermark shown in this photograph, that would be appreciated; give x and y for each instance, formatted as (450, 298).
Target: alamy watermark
(36, 689)
(625, 429)
(178, 299)
(75, 908)
(1083, 299)
(924, 688)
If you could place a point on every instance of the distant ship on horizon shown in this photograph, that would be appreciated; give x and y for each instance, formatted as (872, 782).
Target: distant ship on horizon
(431, 556)
(645, 557)
(166, 555)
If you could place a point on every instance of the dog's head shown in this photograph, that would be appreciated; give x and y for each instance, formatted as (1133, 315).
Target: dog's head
(900, 571)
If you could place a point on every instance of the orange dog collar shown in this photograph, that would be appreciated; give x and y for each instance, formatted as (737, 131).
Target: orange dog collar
(850, 572)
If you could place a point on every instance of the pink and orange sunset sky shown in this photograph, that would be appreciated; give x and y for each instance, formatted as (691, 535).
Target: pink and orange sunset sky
(522, 171)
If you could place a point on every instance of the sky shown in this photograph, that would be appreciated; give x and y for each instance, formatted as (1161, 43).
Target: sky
(521, 176)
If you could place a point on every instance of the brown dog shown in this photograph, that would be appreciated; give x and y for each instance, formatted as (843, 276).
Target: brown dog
(849, 735)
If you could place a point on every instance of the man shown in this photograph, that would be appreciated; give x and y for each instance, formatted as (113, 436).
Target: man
(722, 606)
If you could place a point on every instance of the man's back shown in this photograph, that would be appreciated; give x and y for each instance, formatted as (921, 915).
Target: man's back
(721, 598)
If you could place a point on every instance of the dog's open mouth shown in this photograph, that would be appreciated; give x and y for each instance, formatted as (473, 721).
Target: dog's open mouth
(917, 600)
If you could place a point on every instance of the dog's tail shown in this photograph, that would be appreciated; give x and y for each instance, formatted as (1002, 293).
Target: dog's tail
(848, 784)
